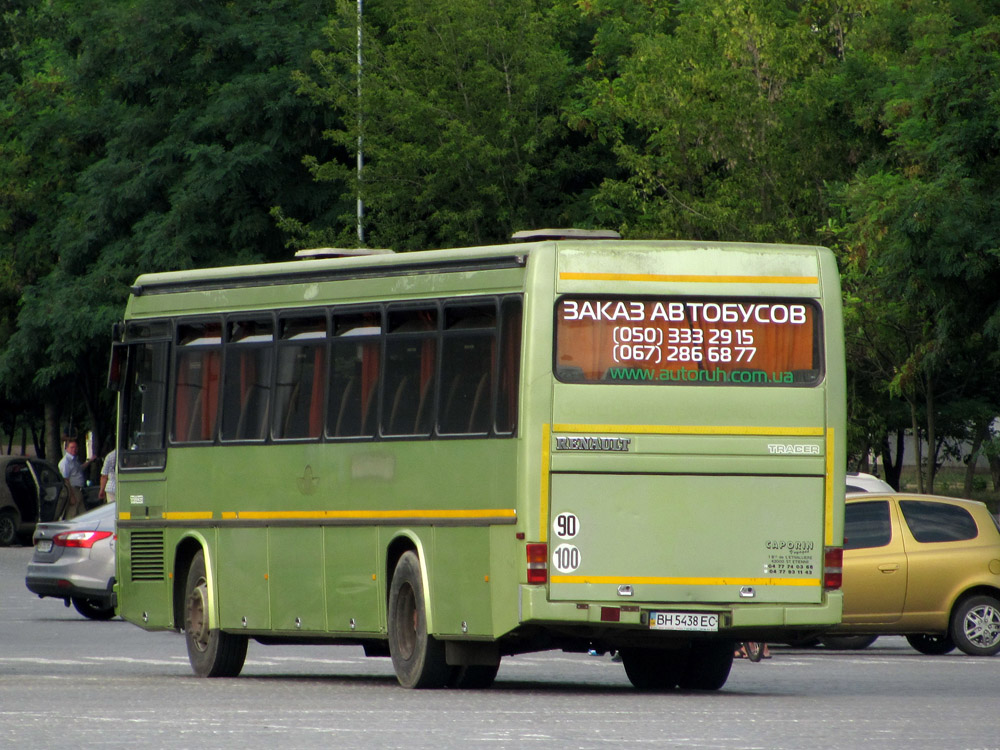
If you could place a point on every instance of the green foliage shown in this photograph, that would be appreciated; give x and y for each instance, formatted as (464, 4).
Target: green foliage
(459, 120)
(144, 136)
(919, 233)
(140, 136)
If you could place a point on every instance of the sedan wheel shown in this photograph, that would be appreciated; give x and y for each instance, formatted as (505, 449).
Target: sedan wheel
(975, 626)
(93, 609)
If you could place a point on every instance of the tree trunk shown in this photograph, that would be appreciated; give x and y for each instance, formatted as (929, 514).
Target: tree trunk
(932, 446)
(917, 447)
(994, 461)
(53, 440)
(978, 438)
(893, 470)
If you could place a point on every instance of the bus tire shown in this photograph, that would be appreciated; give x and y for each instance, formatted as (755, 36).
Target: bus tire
(473, 676)
(212, 653)
(653, 668)
(417, 657)
(975, 625)
(708, 665)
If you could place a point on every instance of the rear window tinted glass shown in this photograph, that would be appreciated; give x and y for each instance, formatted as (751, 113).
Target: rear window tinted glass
(938, 522)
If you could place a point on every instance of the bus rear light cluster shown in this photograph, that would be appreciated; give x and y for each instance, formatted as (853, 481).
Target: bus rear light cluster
(833, 567)
(538, 562)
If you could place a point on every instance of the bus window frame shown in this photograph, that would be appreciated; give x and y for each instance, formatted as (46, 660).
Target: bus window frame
(176, 351)
(391, 336)
(371, 412)
(320, 342)
(507, 307)
(157, 457)
(230, 348)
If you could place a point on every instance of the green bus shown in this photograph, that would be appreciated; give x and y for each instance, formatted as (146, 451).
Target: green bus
(571, 441)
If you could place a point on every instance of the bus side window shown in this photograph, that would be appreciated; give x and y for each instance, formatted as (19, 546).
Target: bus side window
(408, 381)
(246, 379)
(300, 379)
(468, 358)
(510, 365)
(196, 383)
(354, 371)
(144, 398)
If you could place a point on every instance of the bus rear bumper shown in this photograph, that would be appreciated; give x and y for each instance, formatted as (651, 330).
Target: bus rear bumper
(536, 609)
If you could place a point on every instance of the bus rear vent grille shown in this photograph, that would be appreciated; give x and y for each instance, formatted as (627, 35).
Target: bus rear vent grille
(147, 556)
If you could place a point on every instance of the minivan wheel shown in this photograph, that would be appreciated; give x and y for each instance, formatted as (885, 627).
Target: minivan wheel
(847, 642)
(932, 645)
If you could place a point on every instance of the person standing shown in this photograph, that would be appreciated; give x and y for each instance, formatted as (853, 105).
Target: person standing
(109, 477)
(72, 470)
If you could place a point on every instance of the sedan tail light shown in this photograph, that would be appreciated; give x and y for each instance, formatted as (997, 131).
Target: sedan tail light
(79, 538)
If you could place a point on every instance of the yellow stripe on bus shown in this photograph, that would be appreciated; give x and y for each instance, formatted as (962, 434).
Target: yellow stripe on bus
(543, 504)
(687, 278)
(640, 429)
(828, 509)
(312, 515)
(687, 581)
(188, 516)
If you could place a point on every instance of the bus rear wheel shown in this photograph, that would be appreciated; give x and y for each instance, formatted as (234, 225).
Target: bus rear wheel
(417, 657)
(212, 653)
(474, 676)
(654, 668)
(708, 665)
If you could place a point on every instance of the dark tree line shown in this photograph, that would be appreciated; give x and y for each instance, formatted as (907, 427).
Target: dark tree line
(138, 136)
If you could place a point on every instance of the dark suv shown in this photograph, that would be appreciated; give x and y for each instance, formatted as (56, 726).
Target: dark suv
(32, 490)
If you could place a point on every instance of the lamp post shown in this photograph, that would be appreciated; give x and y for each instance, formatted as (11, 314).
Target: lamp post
(361, 156)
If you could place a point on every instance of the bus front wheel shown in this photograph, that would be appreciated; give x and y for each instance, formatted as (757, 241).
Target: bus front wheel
(212, 652)
(417, 657)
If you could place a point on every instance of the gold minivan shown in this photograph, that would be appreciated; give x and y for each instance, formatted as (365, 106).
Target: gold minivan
(921, 566)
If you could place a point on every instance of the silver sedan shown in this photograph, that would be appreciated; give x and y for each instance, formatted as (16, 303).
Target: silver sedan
(75, 561)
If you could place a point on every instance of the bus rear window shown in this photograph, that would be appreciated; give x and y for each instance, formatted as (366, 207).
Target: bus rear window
(688, 341)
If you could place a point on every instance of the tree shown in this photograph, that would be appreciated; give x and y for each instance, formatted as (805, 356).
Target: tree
(921, 226)
(459, 116)
(715, 124)
(170, 131)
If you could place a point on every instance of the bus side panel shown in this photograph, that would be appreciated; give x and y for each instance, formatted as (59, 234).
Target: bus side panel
(243, 579)
(143, 568)
(352, 567)
(295, 578)
(506, 564)
(144, 583)
(461, 583)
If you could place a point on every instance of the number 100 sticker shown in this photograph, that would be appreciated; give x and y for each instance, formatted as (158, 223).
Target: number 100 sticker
(566, 557)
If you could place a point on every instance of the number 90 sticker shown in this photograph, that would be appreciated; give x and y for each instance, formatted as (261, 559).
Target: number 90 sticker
(566, 525)
(566, 558)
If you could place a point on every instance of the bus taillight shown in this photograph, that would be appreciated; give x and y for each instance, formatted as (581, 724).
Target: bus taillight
(538, 562)
(833, 567)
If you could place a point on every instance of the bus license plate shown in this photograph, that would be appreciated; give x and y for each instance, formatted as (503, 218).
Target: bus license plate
(703, 621)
